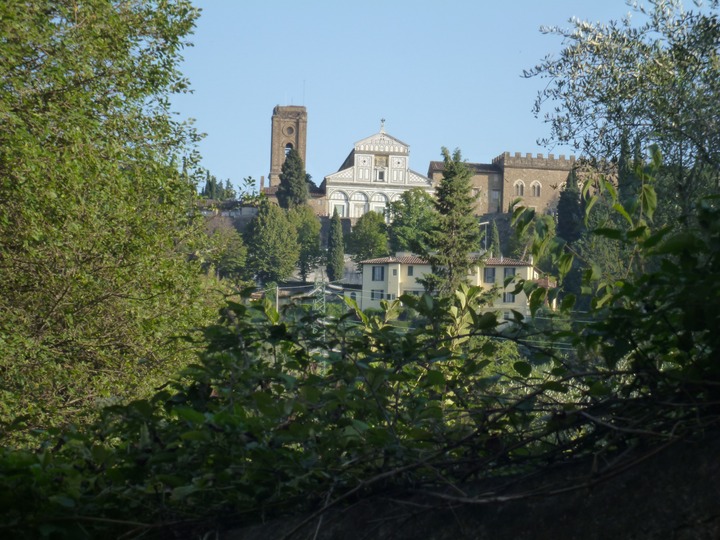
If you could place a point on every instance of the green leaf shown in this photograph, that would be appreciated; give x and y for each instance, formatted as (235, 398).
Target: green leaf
(523, 368)
(434, 378)
(62, 500)
(648, 200)
(620, 209)
(189, 414)
(568, 302)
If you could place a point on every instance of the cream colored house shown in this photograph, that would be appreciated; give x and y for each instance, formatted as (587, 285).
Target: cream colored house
(387, 278)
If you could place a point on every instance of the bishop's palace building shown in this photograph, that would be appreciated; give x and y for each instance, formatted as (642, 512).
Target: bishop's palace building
(377, 171)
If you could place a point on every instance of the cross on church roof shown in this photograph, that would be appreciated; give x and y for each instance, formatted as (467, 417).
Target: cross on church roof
(382, 125)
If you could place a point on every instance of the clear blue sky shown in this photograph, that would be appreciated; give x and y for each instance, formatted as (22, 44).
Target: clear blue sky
(442, 73)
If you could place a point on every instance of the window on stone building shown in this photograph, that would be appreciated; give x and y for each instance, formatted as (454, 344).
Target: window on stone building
(288, 147)
(519, 188)
(494, 200)
(536, 189)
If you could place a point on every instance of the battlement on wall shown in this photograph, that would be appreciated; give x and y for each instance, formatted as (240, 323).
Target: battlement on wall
(528, 161)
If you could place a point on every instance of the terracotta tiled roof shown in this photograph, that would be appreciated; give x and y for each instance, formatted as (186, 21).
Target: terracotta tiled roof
(414, 259)
(504, 261)
(402, 259)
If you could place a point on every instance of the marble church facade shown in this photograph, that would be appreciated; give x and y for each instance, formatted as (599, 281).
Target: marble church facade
(375, 173)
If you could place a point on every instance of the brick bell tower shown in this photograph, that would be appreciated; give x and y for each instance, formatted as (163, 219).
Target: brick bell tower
(289, 130)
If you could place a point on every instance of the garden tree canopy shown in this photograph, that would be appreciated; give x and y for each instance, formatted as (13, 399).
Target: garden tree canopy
(95, 218)
(457, 233)
(336, 249)
(658, 82)
(226, 252)
(272, 242)
(308, 227)
(412, 220)
(293, 188)
(369, 238)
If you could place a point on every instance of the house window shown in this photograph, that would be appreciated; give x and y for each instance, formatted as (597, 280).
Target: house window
(508, 272)
(353, 296)
(378, 273)
(376, 294)
(390, 296)
(394, 271)
(519, 188)
(508, 298)
(411, 270)
(489, 275)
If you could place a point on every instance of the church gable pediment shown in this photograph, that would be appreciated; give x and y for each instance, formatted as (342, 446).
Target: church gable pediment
(345, 174)
(417, 178)
(381, 142)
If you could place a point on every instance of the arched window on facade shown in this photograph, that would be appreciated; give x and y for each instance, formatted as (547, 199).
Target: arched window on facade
(338, 201)
(519, 188)
(359, 204)
(535, 186)
(378, 203)
(288, 147)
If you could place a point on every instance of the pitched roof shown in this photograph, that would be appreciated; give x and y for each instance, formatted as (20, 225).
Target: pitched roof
(402, 259)
(504, 261)
(414, 259)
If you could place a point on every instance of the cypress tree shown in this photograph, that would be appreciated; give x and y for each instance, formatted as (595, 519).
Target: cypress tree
(495, 241)
(570, 213)
(457, 233)
(293, 188)
(336, 250)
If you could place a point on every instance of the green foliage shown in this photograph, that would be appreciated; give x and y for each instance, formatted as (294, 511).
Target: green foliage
(95, 217)
(226, 253)
(272, 242)
(274, 419)
(495, 249)
(336, 249)
(656, 81)
(457, 233)
(307, 226)
(293, 188)
(215, 190)
(570, 211)
(412, 221)
(369, 237)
